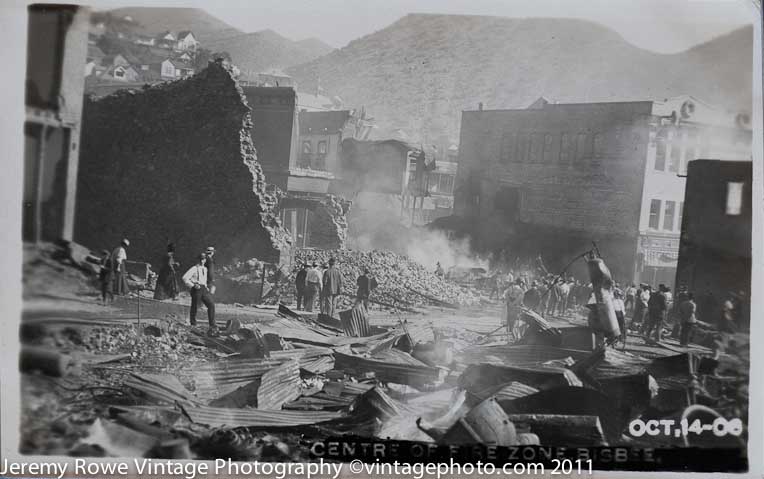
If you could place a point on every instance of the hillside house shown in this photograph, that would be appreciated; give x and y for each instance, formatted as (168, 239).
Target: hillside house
(171, 69)
(166, 40)
(186, 41)
(126, 73)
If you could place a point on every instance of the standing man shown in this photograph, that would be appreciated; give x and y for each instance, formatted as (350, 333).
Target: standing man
(119, 263)
(687, 309)
(620, 313)
(657, 311)
(365, 285)
(640, 307)
(514, 301)
(105, 276)
(196, 279)
(631, 298)
(209, 263)
(312, 286)
(300, 284)
(332, 287)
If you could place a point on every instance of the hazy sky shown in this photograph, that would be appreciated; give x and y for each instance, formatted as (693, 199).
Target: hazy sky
(661, 25)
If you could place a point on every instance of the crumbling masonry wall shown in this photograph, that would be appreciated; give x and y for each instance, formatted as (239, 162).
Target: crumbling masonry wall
(175, 162)
(328, 225)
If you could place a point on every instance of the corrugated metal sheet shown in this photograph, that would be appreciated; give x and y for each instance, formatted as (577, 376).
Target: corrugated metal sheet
(160, 388)
(279, 385)
(318, 365)
(483, 380)
(515, 390)
(517, 355)
(354, 322)
(221, 417)
(215, 380)
(389, 372)
(320, 402)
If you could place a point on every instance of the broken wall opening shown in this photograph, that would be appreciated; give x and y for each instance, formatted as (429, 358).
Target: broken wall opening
(316, 222)
(175, 163)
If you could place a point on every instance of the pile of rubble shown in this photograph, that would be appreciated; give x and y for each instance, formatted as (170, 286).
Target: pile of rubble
(401, 281)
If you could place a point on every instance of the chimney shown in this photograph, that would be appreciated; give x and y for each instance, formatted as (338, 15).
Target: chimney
(480, 106)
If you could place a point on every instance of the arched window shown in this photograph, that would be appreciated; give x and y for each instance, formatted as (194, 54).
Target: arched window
(306, 148)
(535, 148)
(599, 145)
(548, 147)
(507, 147)
(321, 147)
(565, 147)
(581, 147)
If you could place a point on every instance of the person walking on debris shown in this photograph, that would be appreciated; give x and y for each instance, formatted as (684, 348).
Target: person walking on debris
(657, 307)
(167, 282)
(196, 279)
(209, 263)
(119, 268)
(365, 286)
(300, 284)
(514, 304)
(332, 287)
(105, 277)
(730, 312)
(687, 311)
(312, 286)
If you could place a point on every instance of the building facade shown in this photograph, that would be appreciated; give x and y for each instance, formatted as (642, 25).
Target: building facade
(56, 51)
(715, 244)
(553, 178)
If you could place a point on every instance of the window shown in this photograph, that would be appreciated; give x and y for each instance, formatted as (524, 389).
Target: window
(655, 214)
(734, 198)
(599, 144)
(522, 147)
(548, 140)
(676, 155)
(581, 146)
(321, 147)
(689, 155)
(306, 148)
(446, 185)
(565, 148)
(535, 148)
(507, 147)
(119, 73)
(668, 216)
(660, 155)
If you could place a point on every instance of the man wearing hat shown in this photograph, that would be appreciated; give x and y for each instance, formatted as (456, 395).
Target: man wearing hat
(300, 285)
(209, 263)
(196, 280)
(119, 267)
(514, 305)
(312, 286)
(332, 287)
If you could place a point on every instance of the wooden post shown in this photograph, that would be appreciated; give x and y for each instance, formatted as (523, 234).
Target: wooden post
(41, 150)
(262, 285)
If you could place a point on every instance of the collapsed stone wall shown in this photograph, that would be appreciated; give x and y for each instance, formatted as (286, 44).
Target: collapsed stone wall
(175, 162)
(328, 224)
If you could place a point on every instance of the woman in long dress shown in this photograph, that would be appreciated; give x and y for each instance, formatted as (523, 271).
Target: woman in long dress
(167, 282)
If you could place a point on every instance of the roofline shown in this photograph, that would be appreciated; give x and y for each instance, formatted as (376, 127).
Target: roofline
(552, 105)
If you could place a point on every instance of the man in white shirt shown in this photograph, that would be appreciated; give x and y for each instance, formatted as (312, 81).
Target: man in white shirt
(196, 280)
(312, 286)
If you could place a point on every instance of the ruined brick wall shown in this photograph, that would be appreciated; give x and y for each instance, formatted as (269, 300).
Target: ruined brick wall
(175, 162)
(328, 224)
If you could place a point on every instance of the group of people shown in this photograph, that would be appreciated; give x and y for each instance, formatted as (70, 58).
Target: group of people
(199, 279)
(325, 284)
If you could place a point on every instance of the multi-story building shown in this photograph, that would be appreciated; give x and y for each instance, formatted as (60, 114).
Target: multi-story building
(553, 178)
(715, 245)
(57, 47)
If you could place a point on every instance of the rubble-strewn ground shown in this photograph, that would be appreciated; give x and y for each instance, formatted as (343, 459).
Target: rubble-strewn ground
(143, 373)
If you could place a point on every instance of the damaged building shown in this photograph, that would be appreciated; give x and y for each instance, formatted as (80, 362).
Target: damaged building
(58, 42)
(555, 177)
(175, 162)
